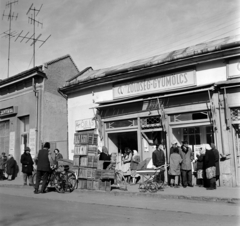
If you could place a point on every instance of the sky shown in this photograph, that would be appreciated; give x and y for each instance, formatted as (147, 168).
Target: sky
(104, 33)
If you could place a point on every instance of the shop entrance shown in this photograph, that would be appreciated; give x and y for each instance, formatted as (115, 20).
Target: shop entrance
(117, 142)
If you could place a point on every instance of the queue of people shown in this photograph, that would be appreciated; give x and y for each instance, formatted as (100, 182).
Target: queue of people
(8, 167)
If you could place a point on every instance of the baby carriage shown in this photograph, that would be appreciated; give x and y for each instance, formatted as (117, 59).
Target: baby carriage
(149, 176)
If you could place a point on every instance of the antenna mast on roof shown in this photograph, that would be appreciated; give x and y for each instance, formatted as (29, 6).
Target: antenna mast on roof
(32, 20)
(9, 33)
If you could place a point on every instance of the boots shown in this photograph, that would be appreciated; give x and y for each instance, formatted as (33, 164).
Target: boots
(211, 187)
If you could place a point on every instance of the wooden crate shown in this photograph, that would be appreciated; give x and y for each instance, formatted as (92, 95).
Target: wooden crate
(105, 185)
(76, 171)
(81, 150)
(82, 173)
(81, 138)
(108, 174)
(90, 184)
(76, 160)
(92, 149)
(96, 184)
(93, 139)
(91, 173)
(82, 184)
(92, 161)
(98, 174)
(84, 161)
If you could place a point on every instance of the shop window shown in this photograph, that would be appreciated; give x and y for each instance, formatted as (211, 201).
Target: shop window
(24, 131)
(189, 116)
(209, 134)
(151, 122)
(235, 114)
(122, 123)
(192, 135)
(4, 136)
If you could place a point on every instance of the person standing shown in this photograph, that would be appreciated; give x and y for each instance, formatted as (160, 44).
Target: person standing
(27, 166)
(216, 153)
(200, 172)
(158, 159)
(174, 145)
(3, 160)
(44, 160)
(210, 166)
(58, 155)
(174, 171)
(186, 166)
(11, 167)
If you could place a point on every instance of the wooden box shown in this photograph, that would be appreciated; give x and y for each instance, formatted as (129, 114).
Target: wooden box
(108, 174)
(90, 184)
(81, 150)
(82, 173)
(98, 174)
(82, 184)
(91, 173)
(76, 171)
(105, 185)
(76, 160)
(92, 161)
(84, 161)
(92, 149)
(81, 138)
(93, 139)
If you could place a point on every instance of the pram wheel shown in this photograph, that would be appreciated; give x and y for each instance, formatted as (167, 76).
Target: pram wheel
(153, 187)
(142, 188)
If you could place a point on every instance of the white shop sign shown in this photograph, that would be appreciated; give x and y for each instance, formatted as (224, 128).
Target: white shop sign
(32, 141)
(233, 68)
(85, 124)
(155, 84)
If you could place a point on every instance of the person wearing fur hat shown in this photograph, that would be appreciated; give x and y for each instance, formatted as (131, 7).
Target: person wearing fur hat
(210, 166)
(27, 166)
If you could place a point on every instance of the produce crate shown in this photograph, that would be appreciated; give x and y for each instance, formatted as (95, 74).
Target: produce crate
(80, 138)
(105, 185)
(96, 184)
(100, 164)
(92, 149)
(82, 173)
(76, 171)
(93, 139)
(81, 150)
(91, 173)
(98, 174)
(82, 184)
(92, 160)
(84, 161)
(108, 174)
(90, 184)
(76, 160)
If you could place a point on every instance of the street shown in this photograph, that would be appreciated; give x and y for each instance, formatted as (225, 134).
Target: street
(22, 207)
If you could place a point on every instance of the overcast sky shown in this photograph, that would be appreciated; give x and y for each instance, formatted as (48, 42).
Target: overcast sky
(104, 33)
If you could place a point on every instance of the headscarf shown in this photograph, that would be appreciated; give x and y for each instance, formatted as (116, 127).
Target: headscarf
(105, 150)
(135, 152)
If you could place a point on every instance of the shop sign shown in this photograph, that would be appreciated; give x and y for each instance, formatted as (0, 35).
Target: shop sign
(155, 84)
(85, 124)
(8, 111)
(234, 68)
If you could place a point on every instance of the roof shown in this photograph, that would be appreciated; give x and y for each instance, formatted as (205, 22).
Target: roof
(23, 74)
(61, 58)
(80, 73)
(199, 49)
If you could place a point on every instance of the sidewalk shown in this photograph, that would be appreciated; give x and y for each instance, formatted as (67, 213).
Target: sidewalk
(221, 194)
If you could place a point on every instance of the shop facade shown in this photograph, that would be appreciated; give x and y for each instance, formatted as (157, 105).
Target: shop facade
(169, 97)
(32, 111)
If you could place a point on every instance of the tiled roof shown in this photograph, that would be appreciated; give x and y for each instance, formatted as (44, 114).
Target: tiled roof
(202, 48)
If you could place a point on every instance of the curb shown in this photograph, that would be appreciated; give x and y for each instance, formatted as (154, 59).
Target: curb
(148, 195)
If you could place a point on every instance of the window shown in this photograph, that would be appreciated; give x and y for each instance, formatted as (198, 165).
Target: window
(189, 116)
(209, 134)
(122, 123)
(192, 135)
(24, 131)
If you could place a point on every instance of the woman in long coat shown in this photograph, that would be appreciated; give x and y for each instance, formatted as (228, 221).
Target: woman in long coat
(174, 171)
(200, 172)
(11, 167)
(27, 166)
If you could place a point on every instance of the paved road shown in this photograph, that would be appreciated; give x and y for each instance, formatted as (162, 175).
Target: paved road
(22, 207)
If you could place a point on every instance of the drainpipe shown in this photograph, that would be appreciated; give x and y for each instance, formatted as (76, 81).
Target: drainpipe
(36, 107)
(220, 117)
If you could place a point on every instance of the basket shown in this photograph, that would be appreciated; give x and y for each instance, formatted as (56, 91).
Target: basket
(108, 174)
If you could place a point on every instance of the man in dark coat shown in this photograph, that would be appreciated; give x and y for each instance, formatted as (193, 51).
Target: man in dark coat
(11, 167)
(43, 161)
(186, 166)
(27, 166)
(158, 159)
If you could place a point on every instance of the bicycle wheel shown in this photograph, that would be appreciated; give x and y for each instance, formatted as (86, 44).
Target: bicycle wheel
(153, 187)
(71, 181)
(121, 181)
(59, 182)
(142, 187)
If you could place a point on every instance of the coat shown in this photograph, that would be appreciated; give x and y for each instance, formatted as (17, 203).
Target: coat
(43, 163)
(209, 159)
(158, 158)
(27, 163)
(216, 153)
(175, 161)
(105, 157)
(3, 160)
(200, 159)
(11, 166)
(187, 157)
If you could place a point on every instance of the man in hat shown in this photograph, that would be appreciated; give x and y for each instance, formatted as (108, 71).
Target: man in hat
(158, 159)
(27, 166)
(44, 160)
(186, 166)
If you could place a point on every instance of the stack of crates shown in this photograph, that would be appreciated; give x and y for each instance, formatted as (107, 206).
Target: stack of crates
(85, 159)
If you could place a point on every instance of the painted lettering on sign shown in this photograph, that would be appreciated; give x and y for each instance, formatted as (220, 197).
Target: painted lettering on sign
(155, 84)
(84, 124)
(6, 111)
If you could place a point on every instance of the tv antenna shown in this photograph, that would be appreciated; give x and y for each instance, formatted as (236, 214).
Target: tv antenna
(9, 33)
(32, 20)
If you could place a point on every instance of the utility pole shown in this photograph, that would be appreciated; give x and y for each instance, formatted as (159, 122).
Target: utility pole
(32, 20)
(9, 33)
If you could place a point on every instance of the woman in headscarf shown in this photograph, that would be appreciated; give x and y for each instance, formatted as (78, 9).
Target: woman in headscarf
(126, 163)
(210, 166)
(216, 153)
(133, 166)
(104, 156)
